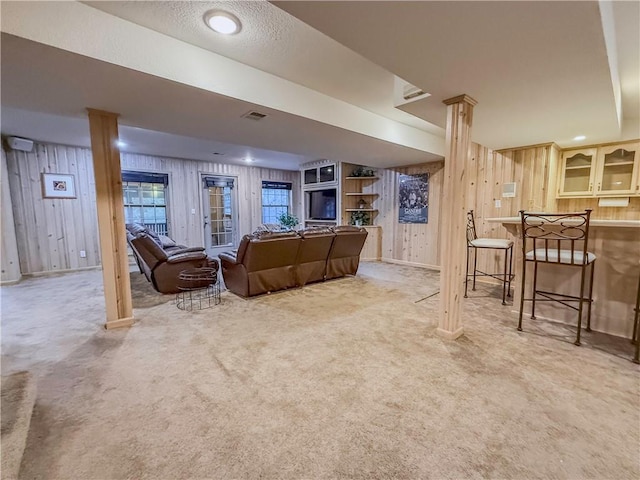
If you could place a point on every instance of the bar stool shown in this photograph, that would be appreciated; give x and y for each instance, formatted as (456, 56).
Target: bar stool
(473, 242)
(560, 239)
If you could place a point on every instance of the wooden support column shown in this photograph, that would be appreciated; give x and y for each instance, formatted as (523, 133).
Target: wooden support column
(454, 219)
(113, 243)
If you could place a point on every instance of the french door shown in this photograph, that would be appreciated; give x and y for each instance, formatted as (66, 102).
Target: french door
(220, 213)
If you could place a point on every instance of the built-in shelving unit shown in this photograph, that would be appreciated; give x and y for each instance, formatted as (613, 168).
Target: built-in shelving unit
(358, 197)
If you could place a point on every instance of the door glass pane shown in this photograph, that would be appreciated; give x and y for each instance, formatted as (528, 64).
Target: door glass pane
(618, 170)
(220, 216)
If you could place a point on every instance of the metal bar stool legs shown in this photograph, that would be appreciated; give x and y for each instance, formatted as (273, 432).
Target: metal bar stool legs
(559, 239)
(475, 243)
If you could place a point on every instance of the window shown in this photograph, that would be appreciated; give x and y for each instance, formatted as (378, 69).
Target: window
(145, 200)
(276, 199)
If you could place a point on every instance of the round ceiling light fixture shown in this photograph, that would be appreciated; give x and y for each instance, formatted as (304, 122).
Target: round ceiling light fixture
(222, 22)
(577, 138)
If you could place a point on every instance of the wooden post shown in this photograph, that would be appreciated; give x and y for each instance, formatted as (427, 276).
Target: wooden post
(113, 243)
(454, 219)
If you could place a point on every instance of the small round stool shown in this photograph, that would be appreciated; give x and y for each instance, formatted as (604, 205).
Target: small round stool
(199, 289)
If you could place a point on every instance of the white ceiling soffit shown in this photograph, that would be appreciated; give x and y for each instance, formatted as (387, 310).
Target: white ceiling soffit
(278, 43)
(538, 70)
(66, 83)
(84, 30)
(49, 128)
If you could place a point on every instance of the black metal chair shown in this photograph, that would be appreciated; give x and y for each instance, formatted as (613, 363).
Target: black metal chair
(473, 242)
(558, 239)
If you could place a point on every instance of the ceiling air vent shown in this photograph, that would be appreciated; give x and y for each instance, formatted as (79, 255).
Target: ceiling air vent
(411, 91)
(254, 115)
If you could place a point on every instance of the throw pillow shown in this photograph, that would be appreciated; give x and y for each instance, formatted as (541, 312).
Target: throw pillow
(166, 241)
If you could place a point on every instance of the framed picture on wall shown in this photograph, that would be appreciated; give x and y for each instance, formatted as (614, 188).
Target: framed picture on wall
(58, 185)
(413, 198)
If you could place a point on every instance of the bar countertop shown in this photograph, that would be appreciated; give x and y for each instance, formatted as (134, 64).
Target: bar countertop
(594, 222)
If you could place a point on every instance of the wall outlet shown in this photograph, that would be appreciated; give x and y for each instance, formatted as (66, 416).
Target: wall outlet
(83, 254)
(193, 211)
(498, 203)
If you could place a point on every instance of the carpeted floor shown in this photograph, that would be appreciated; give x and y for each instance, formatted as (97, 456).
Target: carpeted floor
(344, 379)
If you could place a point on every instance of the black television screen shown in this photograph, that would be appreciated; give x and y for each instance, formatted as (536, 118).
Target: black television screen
(322, 204)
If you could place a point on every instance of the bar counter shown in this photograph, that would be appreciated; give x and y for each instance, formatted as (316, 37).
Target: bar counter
(616, 244)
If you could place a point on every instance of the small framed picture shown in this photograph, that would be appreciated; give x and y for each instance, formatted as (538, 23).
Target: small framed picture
(58, 185)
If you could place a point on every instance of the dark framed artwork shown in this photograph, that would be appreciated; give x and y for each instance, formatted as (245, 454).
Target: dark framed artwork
(413, 196)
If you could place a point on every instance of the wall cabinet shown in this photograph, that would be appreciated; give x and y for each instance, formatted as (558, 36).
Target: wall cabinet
(605, 171)
(320, 174)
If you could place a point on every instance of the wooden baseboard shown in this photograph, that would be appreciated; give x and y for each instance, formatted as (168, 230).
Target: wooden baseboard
(120, 323)
(447, 335)
(6, 283)
(56, 272)
(411, 264)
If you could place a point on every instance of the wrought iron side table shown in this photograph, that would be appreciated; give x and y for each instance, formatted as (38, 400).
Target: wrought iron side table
(199, 289)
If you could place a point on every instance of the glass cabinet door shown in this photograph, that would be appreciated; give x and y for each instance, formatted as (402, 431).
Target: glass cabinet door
(310, 176)
(577, 172)
(327, 174)
(618, 167)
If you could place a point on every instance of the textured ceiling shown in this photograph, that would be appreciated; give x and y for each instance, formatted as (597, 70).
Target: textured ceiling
(276, 42)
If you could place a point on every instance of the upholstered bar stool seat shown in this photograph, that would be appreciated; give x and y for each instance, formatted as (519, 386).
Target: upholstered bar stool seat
(557, 239)
(473, 242)
(491, 243)
(562, 256)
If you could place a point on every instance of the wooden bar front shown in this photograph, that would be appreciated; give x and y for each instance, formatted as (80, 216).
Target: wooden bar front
(616, 243)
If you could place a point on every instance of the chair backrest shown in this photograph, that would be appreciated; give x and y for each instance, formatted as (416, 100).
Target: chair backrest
(549, 234)
(270, 251)
(471, 227)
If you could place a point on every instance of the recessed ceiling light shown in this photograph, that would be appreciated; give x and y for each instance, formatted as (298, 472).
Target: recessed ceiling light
(248, 159)
(579, 137)
(222, 22)
(120, 144)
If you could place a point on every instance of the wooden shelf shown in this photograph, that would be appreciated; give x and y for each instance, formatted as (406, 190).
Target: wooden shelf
(360, 209)
(361, 178)
(578, 168)
(356, 194)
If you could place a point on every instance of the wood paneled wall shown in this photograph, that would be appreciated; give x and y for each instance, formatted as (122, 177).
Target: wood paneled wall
(417, 244)
(185, 192)
(9, 252)
(51, 232)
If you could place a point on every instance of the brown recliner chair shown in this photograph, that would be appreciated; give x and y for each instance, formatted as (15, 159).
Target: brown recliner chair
(313, 254)
(344, 256)
(263, 263)
(162, 269)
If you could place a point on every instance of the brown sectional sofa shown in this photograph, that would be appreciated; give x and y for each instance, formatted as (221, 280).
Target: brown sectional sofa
(161, 259)
(269, 262)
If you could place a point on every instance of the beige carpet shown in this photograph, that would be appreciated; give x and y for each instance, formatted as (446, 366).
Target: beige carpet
(344, 379)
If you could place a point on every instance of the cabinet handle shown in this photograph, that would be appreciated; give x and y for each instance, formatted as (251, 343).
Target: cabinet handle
(590, 186)
(598, 187)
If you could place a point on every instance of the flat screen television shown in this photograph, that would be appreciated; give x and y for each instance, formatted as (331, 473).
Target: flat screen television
(322, 204)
